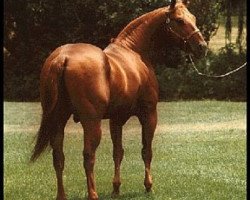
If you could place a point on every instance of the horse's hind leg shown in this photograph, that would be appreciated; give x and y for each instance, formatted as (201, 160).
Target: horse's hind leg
(118, 152)
(92, 137)
(148, 122)
(57, 146)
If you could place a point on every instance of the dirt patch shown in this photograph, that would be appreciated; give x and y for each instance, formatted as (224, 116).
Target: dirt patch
(236, 124)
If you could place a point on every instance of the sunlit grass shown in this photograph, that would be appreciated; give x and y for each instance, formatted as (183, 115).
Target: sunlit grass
(218, 40)
(199, 153)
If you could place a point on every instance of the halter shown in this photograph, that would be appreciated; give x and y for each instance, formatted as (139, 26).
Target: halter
(188, 56)
(184, 39)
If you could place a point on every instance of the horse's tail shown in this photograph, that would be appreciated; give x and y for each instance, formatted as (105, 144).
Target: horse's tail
(51, 91)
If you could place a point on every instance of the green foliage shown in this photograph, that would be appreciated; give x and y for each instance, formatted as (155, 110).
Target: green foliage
(189, 85)
(207, 13)
(32, 29)
(234, 8)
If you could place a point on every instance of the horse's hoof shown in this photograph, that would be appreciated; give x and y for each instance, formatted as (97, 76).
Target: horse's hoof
(93, 197)
(115, 195)
(148, 185)
(149, 190)
(61, 198)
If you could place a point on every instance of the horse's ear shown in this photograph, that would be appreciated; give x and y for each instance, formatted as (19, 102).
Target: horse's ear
(172, 5)
(186, 2)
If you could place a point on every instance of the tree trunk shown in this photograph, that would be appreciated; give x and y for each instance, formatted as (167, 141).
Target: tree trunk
(240, 25)
(228, 31)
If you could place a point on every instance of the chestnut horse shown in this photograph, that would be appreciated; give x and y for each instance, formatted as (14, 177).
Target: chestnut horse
(115, 83)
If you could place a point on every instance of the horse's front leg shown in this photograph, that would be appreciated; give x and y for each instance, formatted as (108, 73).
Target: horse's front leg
(92, 137)
(148, 121)
(118, 151)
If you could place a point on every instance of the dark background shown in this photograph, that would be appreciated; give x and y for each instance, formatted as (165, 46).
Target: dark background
(34, 28)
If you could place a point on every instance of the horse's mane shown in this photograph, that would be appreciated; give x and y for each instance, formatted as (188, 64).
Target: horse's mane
(139, 21)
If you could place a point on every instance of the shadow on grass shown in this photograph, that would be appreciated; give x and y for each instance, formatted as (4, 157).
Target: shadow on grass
(130, 195)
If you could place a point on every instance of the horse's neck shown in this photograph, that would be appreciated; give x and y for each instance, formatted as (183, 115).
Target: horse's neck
(137, 34)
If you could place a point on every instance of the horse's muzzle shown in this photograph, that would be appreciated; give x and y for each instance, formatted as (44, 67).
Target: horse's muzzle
(201, 51)
(198, 49)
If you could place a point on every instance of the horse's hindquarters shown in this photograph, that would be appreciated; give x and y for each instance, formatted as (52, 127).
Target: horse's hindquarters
(86, 81)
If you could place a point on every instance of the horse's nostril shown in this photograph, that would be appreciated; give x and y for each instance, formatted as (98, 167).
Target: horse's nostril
(202, 46)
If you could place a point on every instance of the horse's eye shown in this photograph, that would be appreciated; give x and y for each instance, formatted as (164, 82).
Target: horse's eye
(180, 21)
(168, 20)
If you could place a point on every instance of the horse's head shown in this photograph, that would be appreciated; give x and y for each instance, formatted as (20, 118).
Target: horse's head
(181, 24)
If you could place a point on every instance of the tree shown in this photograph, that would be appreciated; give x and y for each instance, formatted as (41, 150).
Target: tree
(234, 8)
(34, 28)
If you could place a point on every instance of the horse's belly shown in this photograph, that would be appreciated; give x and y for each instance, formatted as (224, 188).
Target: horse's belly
(121, 110)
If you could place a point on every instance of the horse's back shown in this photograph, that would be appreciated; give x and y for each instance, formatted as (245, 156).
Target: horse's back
(76, 51)
(75, 54)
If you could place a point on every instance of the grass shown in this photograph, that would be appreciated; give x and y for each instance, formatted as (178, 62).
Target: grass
(199, 153)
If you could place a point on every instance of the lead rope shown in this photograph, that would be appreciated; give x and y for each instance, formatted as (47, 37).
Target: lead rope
(214, 76)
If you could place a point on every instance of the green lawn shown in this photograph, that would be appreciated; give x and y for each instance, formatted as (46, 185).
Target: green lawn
(199, 153)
